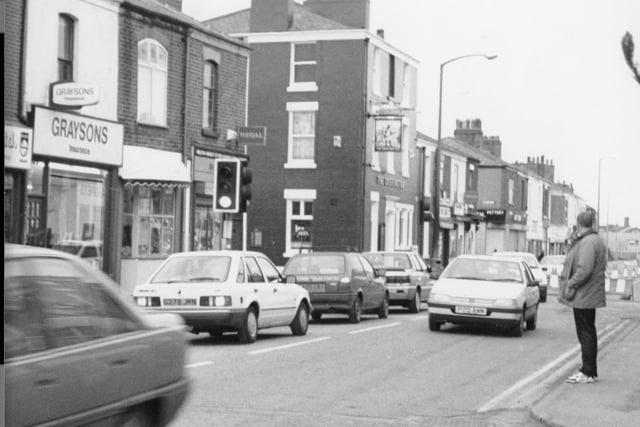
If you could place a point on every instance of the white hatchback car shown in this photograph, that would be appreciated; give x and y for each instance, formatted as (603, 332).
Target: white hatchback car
(218, 291)
(489, 290)
(534, 265)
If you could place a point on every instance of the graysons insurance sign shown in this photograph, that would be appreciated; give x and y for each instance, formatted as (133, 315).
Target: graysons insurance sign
(73, 136)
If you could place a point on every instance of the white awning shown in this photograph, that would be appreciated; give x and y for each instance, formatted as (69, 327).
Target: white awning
(149, 164)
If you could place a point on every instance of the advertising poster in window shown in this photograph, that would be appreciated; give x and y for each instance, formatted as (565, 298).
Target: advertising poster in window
(301, 231)
(388, 135)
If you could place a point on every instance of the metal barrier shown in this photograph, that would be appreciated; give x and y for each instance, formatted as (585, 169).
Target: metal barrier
(621, 278)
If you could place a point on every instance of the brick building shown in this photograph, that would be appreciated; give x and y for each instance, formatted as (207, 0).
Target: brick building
(325, 86)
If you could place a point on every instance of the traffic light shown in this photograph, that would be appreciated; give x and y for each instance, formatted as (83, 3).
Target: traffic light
(245, 185)
(226, 185)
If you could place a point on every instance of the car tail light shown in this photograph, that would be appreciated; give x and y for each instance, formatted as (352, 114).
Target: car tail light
(215, 301)
(147, 301)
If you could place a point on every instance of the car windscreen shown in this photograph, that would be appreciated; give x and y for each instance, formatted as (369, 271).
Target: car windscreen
(385, 260)
(553, 259)
(531, 260)
(483, 269)
(193, 269)
(70, 249)
(315, 264)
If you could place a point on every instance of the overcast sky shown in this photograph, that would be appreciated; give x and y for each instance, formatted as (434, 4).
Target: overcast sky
(559, 87)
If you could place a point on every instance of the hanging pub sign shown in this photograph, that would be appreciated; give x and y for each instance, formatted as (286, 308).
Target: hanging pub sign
(73, 94)
(388, 133)
(17, 147)
(301, 233)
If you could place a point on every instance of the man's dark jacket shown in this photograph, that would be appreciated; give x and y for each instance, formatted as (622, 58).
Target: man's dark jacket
(584, 269)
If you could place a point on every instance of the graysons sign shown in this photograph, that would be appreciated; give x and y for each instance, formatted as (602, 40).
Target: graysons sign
(74, 94)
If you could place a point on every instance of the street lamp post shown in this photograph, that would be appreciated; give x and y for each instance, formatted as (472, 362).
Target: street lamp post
(598, 211)
(436, 167)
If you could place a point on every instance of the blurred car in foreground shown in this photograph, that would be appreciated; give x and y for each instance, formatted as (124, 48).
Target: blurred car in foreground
(339, 282)
(89, 250)
(485, 290)
(535, 267)
(218, 291)
(552, 266)
(76, 353)
(407, 277)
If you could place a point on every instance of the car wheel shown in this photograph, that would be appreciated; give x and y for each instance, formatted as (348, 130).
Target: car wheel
(300, 323)
(518, 330)
(533, 321)
(433, 325)
(383, 310)
(316, 316)
(543, 296)
(138, 416)
(414, 305)
(356, 311)
(249, 330)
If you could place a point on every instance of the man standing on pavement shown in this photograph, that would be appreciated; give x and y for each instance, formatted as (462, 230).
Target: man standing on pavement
(582, 288)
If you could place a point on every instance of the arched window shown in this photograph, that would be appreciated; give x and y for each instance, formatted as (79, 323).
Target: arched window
(152, 82)
(66, 29)
(210, 96)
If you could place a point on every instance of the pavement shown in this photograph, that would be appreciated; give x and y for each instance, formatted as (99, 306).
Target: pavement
(615, 398)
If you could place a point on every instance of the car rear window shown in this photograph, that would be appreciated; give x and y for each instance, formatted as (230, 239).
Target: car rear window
(389, 260)
(483, 269)
(193, 269)
(315, 264)
(553, 259)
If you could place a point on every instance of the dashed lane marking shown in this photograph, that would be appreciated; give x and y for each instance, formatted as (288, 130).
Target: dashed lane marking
(282, 347)
(417, 319)
(198, 364)
(359, 331)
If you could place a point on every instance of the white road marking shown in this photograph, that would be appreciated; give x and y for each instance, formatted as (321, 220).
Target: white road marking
(198, 364)
(358, 331)
(282, 347)
(493, 403)
(420, 318)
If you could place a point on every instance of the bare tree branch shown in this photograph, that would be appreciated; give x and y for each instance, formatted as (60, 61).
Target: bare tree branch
(627, 50)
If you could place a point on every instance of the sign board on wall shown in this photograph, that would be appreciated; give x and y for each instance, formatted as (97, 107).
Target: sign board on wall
(388, 133)
(74, 94)
(252, 135)
(17, 147)
(76, 137)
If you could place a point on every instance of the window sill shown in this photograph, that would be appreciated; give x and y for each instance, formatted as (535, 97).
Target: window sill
(303, 87)
(153, 125)
(210, 133)
(300, 165)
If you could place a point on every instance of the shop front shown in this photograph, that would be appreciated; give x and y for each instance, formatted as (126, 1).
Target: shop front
(67, 203)
(17, 163)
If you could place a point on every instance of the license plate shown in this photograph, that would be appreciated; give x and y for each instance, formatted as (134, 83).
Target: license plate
(463, 309)
(179, 301)
(315, 287)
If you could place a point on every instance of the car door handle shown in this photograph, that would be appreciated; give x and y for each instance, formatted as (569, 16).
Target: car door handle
(255, 290)
(46, 382)
(275, 290)
(119, 362)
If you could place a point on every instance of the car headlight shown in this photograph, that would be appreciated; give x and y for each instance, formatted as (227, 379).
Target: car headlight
(505, 302)
(433, 297)
(141, 301)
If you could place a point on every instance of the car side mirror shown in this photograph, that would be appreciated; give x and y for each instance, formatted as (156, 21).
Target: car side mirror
(429, 269)
(377, 272)
(290, 279)
(534, 283)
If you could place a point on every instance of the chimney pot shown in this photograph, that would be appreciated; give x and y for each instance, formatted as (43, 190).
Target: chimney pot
(380, 33)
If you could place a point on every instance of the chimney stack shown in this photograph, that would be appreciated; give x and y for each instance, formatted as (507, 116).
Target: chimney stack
(626, 222)
(352, 13)
(271, 15)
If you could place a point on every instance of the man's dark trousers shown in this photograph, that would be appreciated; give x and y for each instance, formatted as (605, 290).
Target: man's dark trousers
(585, 319)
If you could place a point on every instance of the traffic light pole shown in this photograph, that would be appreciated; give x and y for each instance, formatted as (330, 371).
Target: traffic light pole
(244, 219)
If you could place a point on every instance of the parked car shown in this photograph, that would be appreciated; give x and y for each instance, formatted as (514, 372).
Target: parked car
(490, 290)
(88, 250)
(535, 267)
(407, 277)
(77, 353)
(218, 291)
(552, 265)
(339, 282)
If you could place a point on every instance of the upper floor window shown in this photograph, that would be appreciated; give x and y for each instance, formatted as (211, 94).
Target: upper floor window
(377, 72)
(209, 95)
(405, 151)
(152, 82)
(302, 134)
(66, 30)
(303, 67)
(392, 76)
(511, 191)
(406, 86)
(456, 182)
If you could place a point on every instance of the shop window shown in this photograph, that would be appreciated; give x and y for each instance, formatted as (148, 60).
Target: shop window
(66, 34)
(302, 134)
(210, 96)
(149, 218)
(303, 67)
(299, 219)
(152, 82)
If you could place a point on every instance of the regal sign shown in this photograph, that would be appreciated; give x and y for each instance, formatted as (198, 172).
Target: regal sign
(252, 135)
(74, 94)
